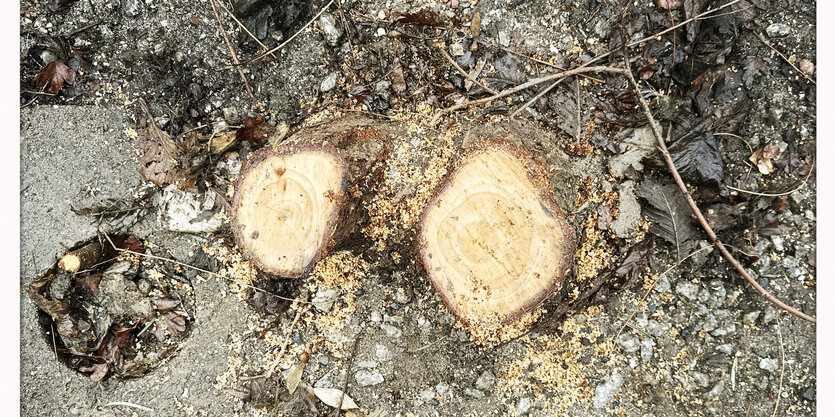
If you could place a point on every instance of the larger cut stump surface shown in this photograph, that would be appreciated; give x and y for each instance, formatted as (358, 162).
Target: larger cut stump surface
(493, 240)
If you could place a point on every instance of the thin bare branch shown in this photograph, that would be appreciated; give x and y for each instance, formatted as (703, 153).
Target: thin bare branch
(526, 85)
(656, 130)
(231, 50)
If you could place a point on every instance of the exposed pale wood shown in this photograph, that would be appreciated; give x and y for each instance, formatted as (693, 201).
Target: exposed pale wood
(287, 204)
(493, 240)
(81, 258)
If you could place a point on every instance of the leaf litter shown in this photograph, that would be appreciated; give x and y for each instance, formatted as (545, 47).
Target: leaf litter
(123, 316)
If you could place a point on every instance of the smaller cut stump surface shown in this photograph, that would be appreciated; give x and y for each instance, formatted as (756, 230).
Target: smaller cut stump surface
(286, 206)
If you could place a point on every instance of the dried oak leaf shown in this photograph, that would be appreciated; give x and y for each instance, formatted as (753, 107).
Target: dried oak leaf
(697, 158)
(754, 66)
(158, 156)
(669, 214)
(53, 76)
(254, 131)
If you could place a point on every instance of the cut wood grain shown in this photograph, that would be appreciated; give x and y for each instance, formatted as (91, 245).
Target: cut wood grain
(286, 206)
(493, 240)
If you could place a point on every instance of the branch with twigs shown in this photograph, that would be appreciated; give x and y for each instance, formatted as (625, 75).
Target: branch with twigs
(524, 86)
(232, 52)
(243, 27)
(465, 73)
(662, 146)
(291, 37)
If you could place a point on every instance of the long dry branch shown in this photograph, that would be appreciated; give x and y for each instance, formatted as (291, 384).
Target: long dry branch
(662, 146)
(526, 85)
(232, 52)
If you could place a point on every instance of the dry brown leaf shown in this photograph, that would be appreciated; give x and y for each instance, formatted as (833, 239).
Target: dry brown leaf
(53, 77)
(331, 396)
(157, 161)
(762, 158)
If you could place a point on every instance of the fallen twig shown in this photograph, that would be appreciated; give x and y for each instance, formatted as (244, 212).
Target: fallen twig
(782, 366)
(243, 27)
(294, 35)
(127, 404)
(784, 57)
(662, 146)
(465, 74)
(231, 50)
(534, 59)
(529, 84)
(348, 374)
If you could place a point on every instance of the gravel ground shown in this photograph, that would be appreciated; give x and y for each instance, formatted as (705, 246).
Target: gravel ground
(702, 343)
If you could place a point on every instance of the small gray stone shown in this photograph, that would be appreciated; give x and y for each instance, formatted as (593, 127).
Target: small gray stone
(366, 377)
(382, 352)
(324, 299)
(809, 394)
(403, 296)
(366, 364)
(646, 349)
(485, 381)
(523, 406)
(769, 315)
(658, 329)
(777, 30)
(442, 388)
(699, 379)
(504, 38)
(663, 285)
(391, 330)
(376, 317)
(717, 390)
(332, 29)
(605, 392)
(473, 393)
(687, 290)
(629, 342)
(324, 359)
(131, 8)
(725, 329)
(324, 382)
(710, 323)
(426, 395)
(456, 49)
(727, 348)
(770, 365)
(329, 82)
(778, 243)
(751, 318)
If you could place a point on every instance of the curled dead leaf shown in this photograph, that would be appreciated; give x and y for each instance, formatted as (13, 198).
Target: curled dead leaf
(53, 76)
(331, 396)
(762, 158)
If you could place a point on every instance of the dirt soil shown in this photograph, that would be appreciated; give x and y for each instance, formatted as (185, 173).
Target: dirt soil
(690, 340)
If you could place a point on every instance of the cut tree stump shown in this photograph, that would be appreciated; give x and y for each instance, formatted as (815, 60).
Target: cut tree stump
(295, 202)
(493, 240)
(287, 206)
